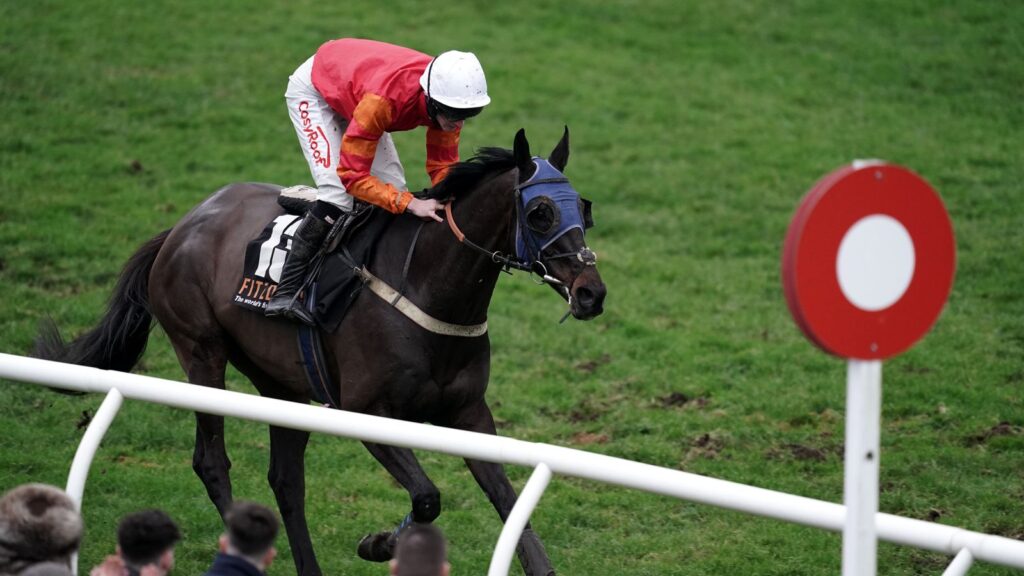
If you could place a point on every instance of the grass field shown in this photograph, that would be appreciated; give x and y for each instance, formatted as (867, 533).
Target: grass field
(696, 129)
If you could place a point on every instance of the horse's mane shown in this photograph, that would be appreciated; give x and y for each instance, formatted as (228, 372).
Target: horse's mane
(465, 176)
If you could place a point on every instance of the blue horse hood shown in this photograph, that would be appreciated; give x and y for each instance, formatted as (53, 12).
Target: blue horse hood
(548, 182)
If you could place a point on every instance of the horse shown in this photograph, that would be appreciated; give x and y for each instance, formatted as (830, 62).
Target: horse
(383, 363)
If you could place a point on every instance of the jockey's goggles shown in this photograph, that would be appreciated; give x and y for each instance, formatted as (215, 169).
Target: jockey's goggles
(453, 114)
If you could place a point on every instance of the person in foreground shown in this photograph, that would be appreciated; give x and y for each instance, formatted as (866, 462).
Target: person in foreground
(145, 546)
(421, 551)
(40, 528)
(247, 547)
(344, 102)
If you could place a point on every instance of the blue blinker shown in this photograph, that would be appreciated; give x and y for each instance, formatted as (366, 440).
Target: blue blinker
(549, 192)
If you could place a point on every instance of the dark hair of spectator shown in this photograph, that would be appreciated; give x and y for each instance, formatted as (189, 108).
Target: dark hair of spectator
(144, 536)
(420, 550)
(251, 527)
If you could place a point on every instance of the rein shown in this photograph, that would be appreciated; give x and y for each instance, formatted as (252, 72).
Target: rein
(496, 256)
(536, 268)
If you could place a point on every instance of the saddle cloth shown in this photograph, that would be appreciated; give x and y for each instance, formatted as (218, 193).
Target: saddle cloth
(337, 286)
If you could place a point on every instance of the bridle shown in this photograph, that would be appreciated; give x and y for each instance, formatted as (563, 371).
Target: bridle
(496, 256)
(534, 261)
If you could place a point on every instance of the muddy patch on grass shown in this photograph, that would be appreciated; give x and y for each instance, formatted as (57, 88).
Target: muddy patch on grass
(1001, 429)
(590, 410)
(585, 413)
(707, 446)
(589, 366)
(588, 438)
(134, 461)
(681, 399)
(83, 420)
(801, 452)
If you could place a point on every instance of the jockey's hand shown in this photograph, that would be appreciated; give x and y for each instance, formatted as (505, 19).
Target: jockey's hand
(426, 209)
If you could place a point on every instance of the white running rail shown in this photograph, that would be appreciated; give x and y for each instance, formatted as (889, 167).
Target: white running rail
(545, 459)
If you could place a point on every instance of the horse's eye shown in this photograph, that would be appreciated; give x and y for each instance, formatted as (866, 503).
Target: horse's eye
(541, 215)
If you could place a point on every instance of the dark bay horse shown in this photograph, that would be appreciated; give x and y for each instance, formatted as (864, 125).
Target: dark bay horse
(384, 364)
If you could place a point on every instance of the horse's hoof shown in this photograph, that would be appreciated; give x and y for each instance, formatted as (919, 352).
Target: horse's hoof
(378, 547)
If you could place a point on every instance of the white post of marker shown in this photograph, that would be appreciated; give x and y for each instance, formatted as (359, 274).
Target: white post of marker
(860, 490)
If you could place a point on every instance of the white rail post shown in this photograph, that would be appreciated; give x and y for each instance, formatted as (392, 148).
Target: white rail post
(860, 490)
(517, 520)
(87, 450)
(960, 564)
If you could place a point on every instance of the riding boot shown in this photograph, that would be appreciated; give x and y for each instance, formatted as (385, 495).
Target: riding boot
(305, 243)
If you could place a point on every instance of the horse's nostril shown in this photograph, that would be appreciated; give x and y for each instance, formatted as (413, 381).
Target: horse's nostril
(585, 296)
(597, 298)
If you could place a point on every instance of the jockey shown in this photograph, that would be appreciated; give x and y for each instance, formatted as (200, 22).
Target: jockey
(344, 101)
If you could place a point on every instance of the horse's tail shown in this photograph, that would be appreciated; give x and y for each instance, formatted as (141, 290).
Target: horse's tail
(119, 340)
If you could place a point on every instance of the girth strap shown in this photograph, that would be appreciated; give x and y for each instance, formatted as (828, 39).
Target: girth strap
(311, 349)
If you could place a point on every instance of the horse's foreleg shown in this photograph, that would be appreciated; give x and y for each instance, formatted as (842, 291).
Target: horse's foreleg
(492, 479)
(402, 464)
(287, 477)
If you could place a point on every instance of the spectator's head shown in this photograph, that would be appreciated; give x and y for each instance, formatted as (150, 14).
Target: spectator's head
(38, 523)
(147, 538)
(251, 530)
(420, 552)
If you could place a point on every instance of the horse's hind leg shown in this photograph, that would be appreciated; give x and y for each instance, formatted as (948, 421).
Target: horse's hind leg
(287, 472)
(210, 460)
(492, 479)
(204, 360)
(402, 464)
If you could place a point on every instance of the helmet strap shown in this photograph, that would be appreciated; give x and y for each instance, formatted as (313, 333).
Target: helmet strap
(431, 106)
(430, 67)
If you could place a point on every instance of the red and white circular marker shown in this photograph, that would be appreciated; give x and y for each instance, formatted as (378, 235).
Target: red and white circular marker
(868, 261)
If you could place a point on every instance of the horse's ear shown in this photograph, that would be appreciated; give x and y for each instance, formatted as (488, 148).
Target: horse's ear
(560, 155)
(521, 153)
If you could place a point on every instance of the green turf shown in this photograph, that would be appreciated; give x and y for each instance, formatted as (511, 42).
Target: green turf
(696, 129)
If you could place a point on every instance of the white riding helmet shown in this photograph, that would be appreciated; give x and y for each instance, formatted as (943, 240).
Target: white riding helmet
(456, 79)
